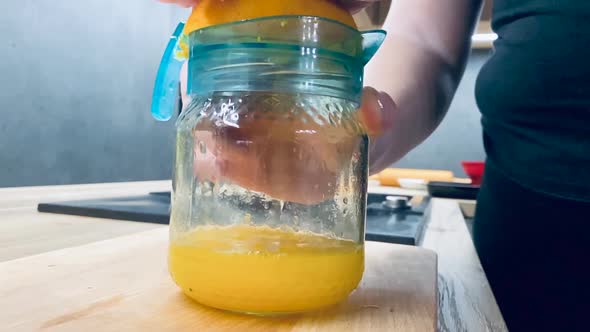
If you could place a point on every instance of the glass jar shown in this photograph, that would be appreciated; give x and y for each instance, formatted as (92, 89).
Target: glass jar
(269, 191)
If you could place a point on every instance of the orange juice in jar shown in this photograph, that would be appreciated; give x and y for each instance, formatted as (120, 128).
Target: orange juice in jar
(259, 269)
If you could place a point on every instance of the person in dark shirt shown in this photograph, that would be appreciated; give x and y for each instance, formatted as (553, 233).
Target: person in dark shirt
(532, 225)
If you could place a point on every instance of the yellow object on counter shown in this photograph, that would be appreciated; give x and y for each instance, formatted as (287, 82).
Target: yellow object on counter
(213, 12)
(390, 176)
(263, 270)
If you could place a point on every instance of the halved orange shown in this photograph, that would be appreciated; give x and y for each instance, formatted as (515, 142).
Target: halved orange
(213, 12)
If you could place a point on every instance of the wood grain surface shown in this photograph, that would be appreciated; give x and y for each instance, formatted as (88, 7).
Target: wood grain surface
(466, 302)
(122, 284)
(19, 197)
(24, 231)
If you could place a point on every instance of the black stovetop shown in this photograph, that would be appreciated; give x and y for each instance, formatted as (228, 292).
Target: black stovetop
(384, 224)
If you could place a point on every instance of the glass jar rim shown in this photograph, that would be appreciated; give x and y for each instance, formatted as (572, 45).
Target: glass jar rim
(296, 31)
(363, 47)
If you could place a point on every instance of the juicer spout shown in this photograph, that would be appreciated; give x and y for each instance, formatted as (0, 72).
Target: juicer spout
(372, 41)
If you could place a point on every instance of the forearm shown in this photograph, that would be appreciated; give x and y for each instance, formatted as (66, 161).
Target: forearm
(420, 66)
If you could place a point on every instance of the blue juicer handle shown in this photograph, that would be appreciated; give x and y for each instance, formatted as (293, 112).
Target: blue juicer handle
(167, 82)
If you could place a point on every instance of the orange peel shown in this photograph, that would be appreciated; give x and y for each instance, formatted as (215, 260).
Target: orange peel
(214, 12)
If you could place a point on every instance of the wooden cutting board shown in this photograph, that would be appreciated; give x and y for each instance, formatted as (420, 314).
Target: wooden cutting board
(122, 284)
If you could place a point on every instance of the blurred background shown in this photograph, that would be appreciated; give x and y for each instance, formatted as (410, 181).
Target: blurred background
(75, 88)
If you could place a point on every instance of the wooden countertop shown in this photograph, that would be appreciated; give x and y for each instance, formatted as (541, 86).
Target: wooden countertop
(484, 36)
(465, 301)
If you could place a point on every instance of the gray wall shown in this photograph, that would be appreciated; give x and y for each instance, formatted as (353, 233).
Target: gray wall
(75, 87)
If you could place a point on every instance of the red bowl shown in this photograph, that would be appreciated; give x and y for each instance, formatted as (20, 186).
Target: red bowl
(474, 169)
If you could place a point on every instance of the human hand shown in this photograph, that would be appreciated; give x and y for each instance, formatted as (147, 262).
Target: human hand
(274, 146)
(183, 3)
(265, 156)
(280, 150)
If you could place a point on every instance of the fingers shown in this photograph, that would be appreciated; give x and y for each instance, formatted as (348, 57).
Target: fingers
(280, 180)
(277, 153)
(285, 166)
(377, 111)
(183, 3)
(184, 97)
(205, 164)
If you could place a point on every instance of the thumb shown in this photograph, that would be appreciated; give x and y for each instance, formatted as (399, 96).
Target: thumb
(377, 112)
